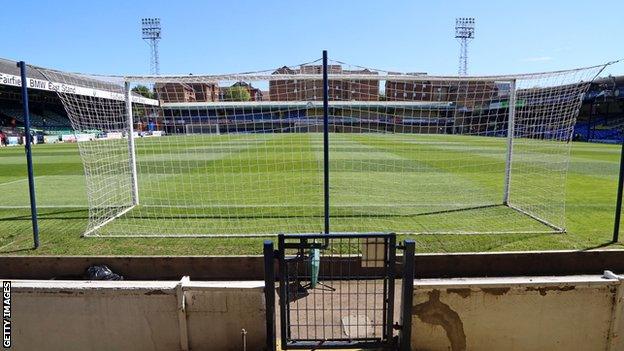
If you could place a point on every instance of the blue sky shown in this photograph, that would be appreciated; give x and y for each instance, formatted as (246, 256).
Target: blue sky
(231, 36)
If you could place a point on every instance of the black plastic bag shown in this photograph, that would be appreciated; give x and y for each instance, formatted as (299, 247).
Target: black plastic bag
(102, 273)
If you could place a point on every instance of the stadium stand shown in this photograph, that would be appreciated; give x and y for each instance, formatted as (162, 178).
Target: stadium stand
(46, 110)
(602, 116)
(47, 114)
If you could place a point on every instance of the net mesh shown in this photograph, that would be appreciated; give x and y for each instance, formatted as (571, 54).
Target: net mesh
(242, 154)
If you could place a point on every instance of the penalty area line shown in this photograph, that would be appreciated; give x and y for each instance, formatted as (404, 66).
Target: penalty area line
(21, 180)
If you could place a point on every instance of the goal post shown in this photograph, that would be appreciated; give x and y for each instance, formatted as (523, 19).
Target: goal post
(243, 154)
(510, 136)
(131, 146)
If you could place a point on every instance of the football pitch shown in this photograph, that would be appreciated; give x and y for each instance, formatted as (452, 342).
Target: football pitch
(254, 186)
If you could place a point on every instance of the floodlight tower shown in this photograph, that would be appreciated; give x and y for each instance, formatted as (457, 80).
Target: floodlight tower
(464, 31)
(150, 28)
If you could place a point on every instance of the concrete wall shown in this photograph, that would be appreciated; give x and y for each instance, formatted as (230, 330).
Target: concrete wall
(447, 265)
(519, 313)
(138, 315)
(523, 313)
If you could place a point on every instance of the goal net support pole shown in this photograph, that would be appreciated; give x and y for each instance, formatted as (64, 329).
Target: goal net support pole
(28, 146)
(131, 146)
(326, 143)
(510, 135)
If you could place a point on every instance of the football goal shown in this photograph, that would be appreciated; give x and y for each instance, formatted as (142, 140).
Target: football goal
(244, 154)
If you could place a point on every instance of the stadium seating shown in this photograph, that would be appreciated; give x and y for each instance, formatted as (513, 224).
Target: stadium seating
(603, 130)
(47, 120)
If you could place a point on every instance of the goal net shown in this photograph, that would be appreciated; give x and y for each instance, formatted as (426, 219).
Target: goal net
(243, 154)
(198, 128)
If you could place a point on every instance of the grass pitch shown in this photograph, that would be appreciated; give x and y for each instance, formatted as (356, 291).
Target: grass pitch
(253, 186)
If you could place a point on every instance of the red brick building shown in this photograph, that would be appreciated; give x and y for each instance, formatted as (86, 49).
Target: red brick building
(205, 91)
(174, 92)
(183, 92)
(406, 90)
(357, 90)
(284, 90)
(464, 93)
(312, 89)
(255, 94)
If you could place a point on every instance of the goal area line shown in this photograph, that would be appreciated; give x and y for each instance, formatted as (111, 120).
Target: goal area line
(92, 232)
(269, 235)
(97, 227)
(557, 229)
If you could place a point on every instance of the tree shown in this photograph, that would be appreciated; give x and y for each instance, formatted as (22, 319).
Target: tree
(143, 91)
(237, 93)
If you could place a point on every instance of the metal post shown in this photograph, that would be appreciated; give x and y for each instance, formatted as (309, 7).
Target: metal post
(407, 296)
(326, 141)
(589, 122)
(269, 294)
(510, 136)
(618, 205)
(283, 290)
(391, 275)
(27, 144)
(244, 337)
(131, 147)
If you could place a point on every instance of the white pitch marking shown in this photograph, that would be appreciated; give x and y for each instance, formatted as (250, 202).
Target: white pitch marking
(20, 180)
(13, 182)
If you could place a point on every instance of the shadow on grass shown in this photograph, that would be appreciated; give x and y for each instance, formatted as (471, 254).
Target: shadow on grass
(17, 250)
(465, 243)
(43, 215)
(608, 243)
(55, 225)
(335, 214)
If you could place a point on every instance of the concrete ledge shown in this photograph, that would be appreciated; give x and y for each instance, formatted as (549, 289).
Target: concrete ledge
(585, 280)
(536, 263)
(135, 285)
(137, 315)
(518, 313)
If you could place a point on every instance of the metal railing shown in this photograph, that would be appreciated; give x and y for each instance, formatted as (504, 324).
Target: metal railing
(338, 291)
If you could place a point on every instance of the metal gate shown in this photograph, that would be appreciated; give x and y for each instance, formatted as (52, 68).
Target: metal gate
(336, 291)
